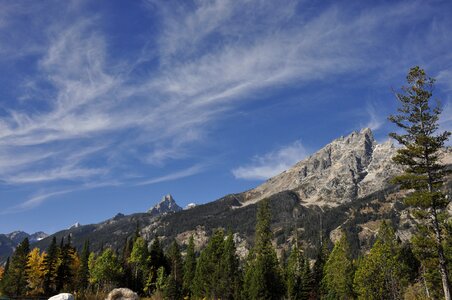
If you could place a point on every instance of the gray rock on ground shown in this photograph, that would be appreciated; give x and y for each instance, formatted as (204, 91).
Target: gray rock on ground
(122, 294)
(62, 296)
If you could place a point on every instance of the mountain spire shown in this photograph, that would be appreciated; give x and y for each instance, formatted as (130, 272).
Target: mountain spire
(165, 206)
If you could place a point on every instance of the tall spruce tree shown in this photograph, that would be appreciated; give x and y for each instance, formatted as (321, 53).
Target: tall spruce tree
(127, 280)
(157, 262)
(206, 283)
(297, 275)
(263, 274)
(158, 258)
(317, 269)
(173, 286)
(230, 275)
(15, 281)
(420, 156)
(338, 272)
(83, 271)
(65, 273)
(189, 267)
(50, 265)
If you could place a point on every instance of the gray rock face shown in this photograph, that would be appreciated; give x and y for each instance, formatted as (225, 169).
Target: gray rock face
(346, 169)
(165, 206)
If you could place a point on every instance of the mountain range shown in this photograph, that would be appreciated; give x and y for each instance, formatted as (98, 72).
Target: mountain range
(345, 185)
(9, 242)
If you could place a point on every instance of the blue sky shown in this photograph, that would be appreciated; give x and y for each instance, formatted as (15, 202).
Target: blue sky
(105, 106)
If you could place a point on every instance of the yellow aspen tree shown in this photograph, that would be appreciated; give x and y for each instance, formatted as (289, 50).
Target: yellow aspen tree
(35, 272)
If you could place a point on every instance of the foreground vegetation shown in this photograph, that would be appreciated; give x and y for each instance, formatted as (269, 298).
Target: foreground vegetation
(416, 269)
(391, 270)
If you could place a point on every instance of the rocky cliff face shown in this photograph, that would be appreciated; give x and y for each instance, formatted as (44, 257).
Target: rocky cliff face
(346, 169)
(165, 206)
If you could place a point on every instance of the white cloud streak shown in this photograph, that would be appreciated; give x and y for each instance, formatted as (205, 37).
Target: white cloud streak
(211, 57)
(375, 119)
(173, 176)
(268, 165)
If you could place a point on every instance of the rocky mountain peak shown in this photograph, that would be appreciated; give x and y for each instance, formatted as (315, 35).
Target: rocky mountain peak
(165, 206)
(346, 169)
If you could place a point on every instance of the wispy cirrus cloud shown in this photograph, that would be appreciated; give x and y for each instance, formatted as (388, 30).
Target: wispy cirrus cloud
(209, 57)
(270, 164)
(196, 169)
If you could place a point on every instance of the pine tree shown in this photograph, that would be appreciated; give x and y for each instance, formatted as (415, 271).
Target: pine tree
(50, 265)
(83, 271)
(35, 272)
(293, 274)
(173, 286)
(382, 273)
(424, 174)
(189, 267)
(158, 258)
(230, 273)
(338, 272)
(298, 275)
(127, 279)
(65, 272)
(15, 281)
(263, 274)
(206, 283)
(317, 270)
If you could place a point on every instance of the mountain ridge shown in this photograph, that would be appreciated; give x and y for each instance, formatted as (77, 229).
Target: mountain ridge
(345, 184)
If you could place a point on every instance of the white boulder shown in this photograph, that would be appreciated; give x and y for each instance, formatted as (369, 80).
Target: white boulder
(62, 296)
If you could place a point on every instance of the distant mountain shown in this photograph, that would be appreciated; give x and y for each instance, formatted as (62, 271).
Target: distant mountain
(165, 206)
(9, 242)
(345, 185)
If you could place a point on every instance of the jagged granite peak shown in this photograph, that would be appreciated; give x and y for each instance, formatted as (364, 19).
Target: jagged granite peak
(346, 169)
(165, 206)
